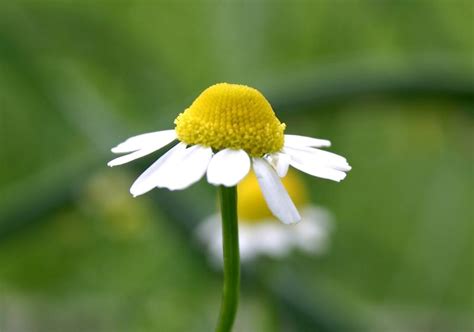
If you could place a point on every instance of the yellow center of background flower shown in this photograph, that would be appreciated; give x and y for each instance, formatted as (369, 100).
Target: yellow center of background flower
(231, 116)
(251, 206)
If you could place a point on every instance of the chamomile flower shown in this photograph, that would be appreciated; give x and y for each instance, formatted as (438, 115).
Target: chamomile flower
(260, 234)
(228, 130)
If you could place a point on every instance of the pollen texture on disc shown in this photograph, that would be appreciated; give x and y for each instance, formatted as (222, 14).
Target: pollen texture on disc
(231, 116)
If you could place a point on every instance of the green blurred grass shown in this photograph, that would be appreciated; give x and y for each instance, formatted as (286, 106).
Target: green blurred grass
(78, 77)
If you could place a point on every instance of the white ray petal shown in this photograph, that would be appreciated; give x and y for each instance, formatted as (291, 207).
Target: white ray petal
(148, 179)
(156, 139)
(297, 140)
(188, 169)
(132, 156)
(320, 157)
(228, 167)
(275, 193)
(314, 166)
(280, 162)
(272, 239)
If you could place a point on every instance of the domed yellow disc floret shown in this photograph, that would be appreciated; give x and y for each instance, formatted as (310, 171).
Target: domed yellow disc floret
(251, 206)
(231, 116)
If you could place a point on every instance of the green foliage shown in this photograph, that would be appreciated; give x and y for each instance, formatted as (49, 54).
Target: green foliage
(390, 83)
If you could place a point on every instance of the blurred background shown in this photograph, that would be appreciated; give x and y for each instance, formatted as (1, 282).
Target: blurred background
(391, 84)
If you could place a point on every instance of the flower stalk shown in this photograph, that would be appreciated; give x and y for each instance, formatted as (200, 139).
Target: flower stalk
(230, 242)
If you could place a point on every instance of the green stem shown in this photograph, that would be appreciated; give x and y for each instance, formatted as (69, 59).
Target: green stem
(230, 244)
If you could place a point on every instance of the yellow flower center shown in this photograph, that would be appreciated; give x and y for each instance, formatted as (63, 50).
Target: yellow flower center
(231, 116)
(251, 206)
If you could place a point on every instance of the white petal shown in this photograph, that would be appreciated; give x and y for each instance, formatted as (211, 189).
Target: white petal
(142, 145)
(313, 163)
(327, 158)
(228, 167)
(149, 179)
(189, 168)
(275, 193)
(280, 162)
(273, 239)
(132, 156)
(321, 157)
(296, 140)
(248, 243)
(156, 139)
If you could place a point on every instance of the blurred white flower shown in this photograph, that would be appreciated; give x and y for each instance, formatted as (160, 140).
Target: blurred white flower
(260, 234)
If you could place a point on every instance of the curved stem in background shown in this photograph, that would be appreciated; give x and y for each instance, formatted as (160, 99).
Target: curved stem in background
(230, 244)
